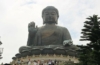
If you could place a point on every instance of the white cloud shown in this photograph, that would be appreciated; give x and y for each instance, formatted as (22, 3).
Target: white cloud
(16, 14)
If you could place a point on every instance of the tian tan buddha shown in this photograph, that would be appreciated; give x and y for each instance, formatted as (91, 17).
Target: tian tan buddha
(50, 38)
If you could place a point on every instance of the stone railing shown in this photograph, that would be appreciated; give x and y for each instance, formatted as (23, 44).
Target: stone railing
(62, 58)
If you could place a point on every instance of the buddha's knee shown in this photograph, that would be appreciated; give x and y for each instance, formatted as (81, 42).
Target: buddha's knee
(24, 48)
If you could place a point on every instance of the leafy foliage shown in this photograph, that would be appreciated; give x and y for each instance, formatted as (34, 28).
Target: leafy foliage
(90, 54)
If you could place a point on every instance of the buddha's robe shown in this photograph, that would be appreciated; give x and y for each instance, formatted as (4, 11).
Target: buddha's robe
(51, 35)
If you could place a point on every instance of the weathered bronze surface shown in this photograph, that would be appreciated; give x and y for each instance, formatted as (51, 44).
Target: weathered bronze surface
(50, 37)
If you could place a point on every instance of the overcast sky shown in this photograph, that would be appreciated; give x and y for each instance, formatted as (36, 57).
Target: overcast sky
(16, 14)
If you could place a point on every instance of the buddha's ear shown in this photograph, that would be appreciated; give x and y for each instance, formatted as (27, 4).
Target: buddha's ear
(56, 21)
(43, 20)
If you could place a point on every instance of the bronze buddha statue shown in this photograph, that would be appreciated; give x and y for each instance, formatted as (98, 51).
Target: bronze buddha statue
(50, 36)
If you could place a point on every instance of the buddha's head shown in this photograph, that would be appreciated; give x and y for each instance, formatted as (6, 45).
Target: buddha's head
(50, 15)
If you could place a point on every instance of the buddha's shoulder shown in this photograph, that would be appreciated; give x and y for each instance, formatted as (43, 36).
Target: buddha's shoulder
(58, 27)
(41, 27)
(61, 27)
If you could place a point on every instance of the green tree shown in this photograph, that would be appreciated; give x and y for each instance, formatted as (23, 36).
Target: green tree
(90, 54)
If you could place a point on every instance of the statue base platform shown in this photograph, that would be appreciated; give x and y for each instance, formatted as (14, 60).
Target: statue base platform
(61, 58)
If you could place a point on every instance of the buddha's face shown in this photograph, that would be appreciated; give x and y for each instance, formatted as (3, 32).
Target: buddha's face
(50, 16)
